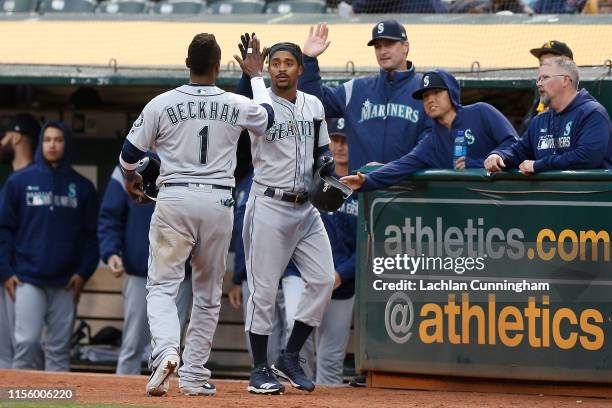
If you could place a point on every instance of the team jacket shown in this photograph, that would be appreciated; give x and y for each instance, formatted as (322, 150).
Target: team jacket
(49, 217)
(341, 227)
(243, 188)
(579, 137)
(485, 129)
(383, 120)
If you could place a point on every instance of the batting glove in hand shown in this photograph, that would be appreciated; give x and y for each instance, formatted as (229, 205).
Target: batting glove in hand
(244, 44)
(327, 165)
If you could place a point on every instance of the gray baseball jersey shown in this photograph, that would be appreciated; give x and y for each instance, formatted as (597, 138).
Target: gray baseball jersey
(283, 157)
(277, 231)
(195, 130)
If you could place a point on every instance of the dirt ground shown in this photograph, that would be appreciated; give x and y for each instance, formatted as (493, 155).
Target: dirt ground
(129, 390)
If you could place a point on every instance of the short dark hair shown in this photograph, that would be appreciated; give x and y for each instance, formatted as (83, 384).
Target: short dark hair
(204, 53)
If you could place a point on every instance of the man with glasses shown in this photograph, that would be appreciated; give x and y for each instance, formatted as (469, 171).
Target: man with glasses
(574, 133)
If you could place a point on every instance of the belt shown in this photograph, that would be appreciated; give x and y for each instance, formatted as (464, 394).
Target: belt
(299, 198)
(216, 186)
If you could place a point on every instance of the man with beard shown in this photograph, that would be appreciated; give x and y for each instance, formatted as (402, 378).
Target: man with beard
(575, 133)
(17, 148)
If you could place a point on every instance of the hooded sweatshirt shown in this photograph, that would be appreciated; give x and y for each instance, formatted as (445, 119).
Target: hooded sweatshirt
(485, 128)
(383, 121)
(578, 137)
(48, 216)
(123, 227)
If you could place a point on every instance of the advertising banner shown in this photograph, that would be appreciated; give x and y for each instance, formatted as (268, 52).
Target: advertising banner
(462, 274)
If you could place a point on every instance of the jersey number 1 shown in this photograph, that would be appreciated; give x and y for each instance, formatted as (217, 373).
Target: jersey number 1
(203, 135)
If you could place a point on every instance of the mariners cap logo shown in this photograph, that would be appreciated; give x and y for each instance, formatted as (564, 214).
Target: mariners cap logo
(340, 124)
(426, 81)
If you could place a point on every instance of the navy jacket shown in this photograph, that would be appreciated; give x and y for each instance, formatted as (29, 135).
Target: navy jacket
(402, 6)
(341, 228)
(243, 188)
(579, 137)
(485, 129)
(123, 227)
(557, 6)
(383, 120)
(48, 216)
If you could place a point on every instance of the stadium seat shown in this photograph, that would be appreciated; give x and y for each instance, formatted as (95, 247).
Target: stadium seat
(123, 6)
(17, 6)
(296, 6)
(179, 7)
(237, 7)
(67, 6)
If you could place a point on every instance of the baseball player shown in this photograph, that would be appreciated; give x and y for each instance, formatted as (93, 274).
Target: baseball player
(281, 225)
(17, 148)
(195, 128)
(123, 232)
(383, 120)
(48, 248)
(239, 293)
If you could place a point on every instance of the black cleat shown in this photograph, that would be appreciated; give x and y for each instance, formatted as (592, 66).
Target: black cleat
(263, 381)
(358, 381)
(288, 367)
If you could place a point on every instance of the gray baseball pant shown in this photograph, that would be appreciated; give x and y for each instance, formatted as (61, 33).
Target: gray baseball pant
(7, 326)
(275, 232)
(187, 220)
(276, 340)
(136, 334)
(332, 339)
(38, 307)
(293, 287)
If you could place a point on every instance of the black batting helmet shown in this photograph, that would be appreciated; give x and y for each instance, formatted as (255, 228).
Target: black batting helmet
(148, 168)
(326, 193)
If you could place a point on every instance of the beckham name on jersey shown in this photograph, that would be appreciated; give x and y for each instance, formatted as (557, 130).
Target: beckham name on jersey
(202, 110)
(290, 128)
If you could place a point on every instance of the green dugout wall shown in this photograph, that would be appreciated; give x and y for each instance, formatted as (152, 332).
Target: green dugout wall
(513, 282)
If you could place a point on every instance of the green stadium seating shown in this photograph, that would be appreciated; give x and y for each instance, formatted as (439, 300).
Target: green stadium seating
(17, 6)
(67, 6)
(123, 7)
(237, 7)
(179, 7)
(296, 6)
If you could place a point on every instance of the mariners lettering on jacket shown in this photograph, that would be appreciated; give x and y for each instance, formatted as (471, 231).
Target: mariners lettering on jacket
(290, 128)
(202, 110)
(371, 110)
(35, 197)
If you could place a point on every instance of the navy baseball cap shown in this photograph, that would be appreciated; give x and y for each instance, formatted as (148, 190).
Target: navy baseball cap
(390, 29)
(553, 47)
(25, 124)
(430, 80)
(337, 127)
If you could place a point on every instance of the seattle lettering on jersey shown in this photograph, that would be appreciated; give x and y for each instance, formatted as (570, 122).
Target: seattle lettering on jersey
(371, 110)
(202, 110)
(290, 128)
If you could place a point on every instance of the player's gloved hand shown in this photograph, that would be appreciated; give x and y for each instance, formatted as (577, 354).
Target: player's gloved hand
(327, 165)
(244, 44)
(134, 188)
(252, 64)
